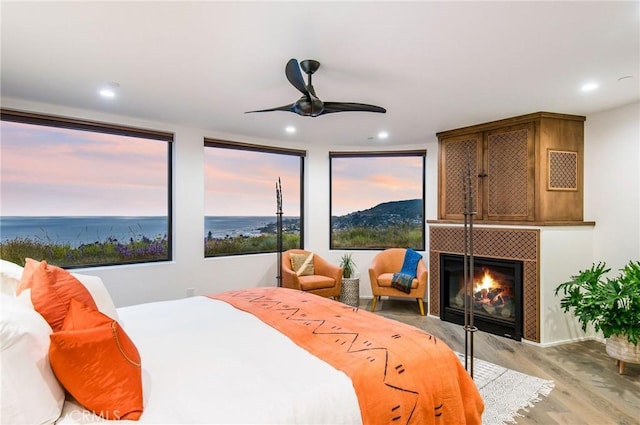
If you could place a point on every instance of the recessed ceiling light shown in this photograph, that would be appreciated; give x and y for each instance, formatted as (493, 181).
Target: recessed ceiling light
(383, 135)
(589, 87)
(109, 90)
(107, 93)
(290, 129)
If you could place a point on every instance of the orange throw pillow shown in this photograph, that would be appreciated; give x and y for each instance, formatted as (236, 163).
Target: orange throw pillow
(51, 289)
(98, 364)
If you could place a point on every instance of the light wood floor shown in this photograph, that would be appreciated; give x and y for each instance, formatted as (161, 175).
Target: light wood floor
(588, 388)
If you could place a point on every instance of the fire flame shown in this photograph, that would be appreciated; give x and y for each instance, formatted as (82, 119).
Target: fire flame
(486, 282)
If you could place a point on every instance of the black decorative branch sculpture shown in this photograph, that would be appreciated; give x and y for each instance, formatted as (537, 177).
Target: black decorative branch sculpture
(468, 269)
(279, 230)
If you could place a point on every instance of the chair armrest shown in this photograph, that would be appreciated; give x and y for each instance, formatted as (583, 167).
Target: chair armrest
(422, 273)
(377, 267)
(290, 279)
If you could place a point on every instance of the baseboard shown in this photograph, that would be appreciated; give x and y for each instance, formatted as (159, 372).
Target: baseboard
(549, 344)
(564, 342)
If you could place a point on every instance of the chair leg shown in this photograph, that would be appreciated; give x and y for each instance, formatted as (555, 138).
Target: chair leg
(420, 306)
(373, 304)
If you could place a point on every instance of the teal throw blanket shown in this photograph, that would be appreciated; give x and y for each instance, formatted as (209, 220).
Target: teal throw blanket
(403, 279)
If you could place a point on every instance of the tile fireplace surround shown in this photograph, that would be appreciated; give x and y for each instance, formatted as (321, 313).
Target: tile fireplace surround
(501, 243)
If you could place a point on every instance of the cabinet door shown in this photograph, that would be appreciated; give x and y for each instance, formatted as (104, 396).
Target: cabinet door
(460, 158)
(509, 173)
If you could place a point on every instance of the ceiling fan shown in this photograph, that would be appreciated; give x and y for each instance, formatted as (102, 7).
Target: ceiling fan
(309, 105)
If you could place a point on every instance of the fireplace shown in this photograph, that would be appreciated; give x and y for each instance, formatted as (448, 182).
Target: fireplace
(495, 295)
(522, 245)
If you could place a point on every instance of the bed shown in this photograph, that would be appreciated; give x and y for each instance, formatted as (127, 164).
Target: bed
(279, 356)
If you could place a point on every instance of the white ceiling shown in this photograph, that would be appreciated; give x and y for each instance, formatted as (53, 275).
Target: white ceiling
(433, 65)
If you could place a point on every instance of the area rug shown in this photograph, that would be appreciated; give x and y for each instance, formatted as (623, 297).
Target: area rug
(506, 391)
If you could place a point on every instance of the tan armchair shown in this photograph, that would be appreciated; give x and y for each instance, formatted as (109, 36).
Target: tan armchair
(382, 268)
(326, 282)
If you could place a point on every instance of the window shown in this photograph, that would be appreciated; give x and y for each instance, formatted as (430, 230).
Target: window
(377, 200)
(240, 198)
(77, 193)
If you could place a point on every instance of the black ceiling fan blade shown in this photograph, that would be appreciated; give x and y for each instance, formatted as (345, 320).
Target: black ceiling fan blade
(330, 107)
(309, 105)
(294, 75)
(287, 108)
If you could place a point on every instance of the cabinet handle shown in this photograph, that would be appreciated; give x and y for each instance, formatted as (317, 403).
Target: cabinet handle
(482, 175)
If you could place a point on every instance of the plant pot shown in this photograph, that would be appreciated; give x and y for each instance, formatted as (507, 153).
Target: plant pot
(350, 293)
(623, 351)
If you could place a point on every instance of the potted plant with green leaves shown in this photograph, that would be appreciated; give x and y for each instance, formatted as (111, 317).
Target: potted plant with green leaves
(348, 265)
(350, 283)
(611, 305)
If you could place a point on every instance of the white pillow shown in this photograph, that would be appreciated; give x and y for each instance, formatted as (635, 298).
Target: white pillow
(31, 393)
(99, 293)
(10, 275)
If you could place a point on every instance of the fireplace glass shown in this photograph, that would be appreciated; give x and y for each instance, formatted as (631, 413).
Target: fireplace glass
(495, 295)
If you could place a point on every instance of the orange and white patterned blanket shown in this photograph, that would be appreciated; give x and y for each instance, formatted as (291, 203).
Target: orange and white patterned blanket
(401, 374)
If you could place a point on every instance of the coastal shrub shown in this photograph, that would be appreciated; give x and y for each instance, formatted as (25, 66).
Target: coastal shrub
(248, 244)
(110, 251)
(401, 235)
(16, 250)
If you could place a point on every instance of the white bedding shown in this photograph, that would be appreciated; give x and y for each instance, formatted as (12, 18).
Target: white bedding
(204, 361)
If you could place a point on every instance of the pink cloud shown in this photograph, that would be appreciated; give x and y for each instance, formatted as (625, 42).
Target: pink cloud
(243, 182)
(81, 173)
(363, 182)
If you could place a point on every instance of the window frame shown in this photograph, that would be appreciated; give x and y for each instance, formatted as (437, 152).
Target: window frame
(50, 120)
(372, 154)
(243, 146)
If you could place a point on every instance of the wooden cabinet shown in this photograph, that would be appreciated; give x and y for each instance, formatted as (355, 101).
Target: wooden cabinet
(522, 169)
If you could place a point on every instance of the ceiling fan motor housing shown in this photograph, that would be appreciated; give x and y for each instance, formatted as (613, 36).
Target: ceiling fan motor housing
(309, 66)
(308, 107)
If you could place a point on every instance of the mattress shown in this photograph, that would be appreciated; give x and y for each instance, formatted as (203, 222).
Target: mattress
(206, 362)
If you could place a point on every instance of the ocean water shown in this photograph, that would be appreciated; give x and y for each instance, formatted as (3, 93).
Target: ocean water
(87, 229)
(222, 226)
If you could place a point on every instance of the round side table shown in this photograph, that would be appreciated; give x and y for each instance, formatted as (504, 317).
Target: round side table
(350, 292)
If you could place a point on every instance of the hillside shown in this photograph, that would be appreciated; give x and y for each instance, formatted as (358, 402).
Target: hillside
(394, 212)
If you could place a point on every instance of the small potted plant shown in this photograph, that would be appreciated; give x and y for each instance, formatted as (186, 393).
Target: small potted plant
(611, 305)
(348, 266)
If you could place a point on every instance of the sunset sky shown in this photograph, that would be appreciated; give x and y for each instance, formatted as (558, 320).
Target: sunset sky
(54, 171)
(240, 182)
(361, 183)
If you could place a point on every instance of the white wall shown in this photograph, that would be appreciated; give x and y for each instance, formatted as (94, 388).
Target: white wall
(564, 251)
(612, 183)
(133, 284)
(612, 200)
